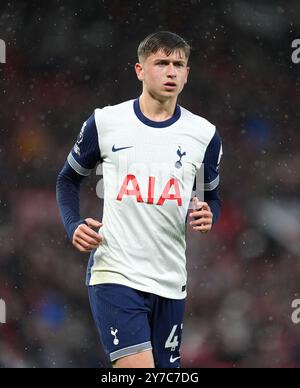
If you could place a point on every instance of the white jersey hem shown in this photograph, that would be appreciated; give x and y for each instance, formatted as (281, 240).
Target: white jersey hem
(114, 278)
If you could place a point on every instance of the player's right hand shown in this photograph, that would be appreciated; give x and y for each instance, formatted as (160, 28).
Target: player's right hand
(85, 239)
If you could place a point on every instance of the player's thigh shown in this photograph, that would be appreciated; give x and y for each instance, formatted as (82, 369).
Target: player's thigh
(166, 327)
(138, 360)
(122, 320)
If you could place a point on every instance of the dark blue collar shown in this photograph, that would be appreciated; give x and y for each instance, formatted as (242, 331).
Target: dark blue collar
(155, 124)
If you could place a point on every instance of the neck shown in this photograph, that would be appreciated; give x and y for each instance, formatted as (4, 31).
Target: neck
(155, 109)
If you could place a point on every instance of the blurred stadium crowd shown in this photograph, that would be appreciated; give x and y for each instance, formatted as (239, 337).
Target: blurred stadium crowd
(63, 62)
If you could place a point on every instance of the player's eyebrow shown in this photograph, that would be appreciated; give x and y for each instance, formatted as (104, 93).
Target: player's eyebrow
(167, 61)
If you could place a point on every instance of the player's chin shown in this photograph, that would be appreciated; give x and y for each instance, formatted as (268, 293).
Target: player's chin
(168, 91)
(166, 94)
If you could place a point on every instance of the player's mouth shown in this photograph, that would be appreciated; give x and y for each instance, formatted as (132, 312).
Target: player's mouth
(170, 85)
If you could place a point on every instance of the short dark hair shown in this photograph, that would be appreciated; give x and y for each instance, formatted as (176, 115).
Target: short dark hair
(165, 41)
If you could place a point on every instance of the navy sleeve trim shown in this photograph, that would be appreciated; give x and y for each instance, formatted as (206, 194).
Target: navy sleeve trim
(77, 167)
(212, 185)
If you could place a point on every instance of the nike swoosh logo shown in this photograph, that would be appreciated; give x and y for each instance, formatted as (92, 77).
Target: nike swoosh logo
(172, 360)
(114, 149)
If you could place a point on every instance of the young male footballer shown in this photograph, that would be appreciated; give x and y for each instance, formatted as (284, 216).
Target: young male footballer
(151, 149)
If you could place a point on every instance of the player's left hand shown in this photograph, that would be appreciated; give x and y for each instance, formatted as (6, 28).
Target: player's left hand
(202, 215)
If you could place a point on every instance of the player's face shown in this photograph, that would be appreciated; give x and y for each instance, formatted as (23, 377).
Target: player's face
(164, 76)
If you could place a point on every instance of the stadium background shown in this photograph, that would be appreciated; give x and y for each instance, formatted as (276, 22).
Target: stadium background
(66, 58)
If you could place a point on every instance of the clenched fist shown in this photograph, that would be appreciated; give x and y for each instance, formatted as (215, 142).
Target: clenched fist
(85, 239)
(203, 217)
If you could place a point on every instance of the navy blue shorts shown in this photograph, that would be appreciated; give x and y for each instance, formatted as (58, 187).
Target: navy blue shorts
(131, 321)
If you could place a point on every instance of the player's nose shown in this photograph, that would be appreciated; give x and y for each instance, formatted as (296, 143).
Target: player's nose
(171, 70)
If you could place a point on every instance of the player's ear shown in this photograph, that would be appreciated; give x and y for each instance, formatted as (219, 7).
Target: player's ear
(139, 71)
(187, 74)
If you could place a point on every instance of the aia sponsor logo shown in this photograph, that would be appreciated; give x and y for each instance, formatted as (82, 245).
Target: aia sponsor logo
(131, 187)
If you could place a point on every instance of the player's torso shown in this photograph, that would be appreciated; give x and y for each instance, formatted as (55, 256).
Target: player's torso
(148, 175)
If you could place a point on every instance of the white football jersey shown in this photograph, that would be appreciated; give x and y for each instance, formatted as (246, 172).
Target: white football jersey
(149, 170)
